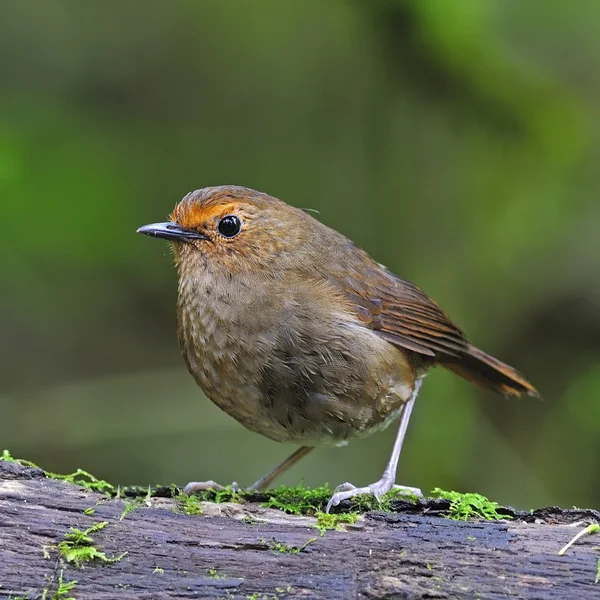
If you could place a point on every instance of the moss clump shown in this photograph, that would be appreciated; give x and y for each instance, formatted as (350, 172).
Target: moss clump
(79, 477)
(64, 588)
(295, 500)
(367, 502)
(129, 507)
(86, 480)
(470, 506)
(298, 500)
(213, 573)
(283, 548)
(7, 457)
(327, 521)
(288, 589)
(78, 547)
(188, 505)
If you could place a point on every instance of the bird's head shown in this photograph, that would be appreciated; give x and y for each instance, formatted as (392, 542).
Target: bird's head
(235, 229)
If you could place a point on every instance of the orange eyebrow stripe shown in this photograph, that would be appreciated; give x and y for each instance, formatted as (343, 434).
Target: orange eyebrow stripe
(191, 215)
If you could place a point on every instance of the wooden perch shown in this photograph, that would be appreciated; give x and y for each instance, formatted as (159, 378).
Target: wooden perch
(244, 551)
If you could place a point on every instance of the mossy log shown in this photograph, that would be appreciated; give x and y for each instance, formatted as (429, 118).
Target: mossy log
(246, 551)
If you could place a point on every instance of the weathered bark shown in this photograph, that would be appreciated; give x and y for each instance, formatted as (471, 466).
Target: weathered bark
(220, 555)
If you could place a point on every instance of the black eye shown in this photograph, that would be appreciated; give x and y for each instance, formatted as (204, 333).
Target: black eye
(229, 226)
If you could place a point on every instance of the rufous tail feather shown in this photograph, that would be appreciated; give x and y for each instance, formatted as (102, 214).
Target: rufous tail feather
(492, 374)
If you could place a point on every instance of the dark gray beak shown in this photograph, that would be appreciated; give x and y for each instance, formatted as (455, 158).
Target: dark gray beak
(170, 231)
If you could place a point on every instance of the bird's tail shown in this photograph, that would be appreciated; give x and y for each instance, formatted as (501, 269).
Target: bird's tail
(492, 374)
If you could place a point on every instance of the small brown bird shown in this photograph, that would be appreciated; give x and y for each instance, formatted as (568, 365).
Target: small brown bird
(300, 335)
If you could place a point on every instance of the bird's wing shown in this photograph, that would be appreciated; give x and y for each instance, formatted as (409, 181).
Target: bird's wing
(400, 312)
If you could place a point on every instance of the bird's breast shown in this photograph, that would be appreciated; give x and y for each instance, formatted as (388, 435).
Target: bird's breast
(217, 347)
(287, 368)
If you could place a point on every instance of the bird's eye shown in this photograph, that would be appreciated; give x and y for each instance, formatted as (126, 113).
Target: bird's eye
(229, 226)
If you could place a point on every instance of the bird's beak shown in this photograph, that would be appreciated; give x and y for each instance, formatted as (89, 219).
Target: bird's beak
(171, 231)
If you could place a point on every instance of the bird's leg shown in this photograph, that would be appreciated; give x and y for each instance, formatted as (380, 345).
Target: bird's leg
(262, 484)
(386, 483)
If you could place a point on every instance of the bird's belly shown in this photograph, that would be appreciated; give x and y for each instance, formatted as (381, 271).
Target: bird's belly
(311, 417)
(291, 385)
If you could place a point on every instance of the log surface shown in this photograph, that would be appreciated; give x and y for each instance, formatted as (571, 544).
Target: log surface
(231, 551)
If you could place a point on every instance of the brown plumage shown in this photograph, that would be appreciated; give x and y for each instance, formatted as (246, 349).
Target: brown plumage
(406, 317)
(298, 333)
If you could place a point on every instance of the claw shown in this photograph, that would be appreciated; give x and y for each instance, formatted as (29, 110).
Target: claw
(344, 487)
(203, 486)
(345, 491)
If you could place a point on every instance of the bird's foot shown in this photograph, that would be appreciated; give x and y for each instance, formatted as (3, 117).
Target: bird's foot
(203, 486)
(346, 491)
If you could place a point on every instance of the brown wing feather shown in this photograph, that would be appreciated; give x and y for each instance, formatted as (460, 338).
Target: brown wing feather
(405, 316)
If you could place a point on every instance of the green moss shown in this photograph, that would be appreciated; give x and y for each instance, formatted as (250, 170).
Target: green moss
(469, 506)
(284, 590)
(283, 548)
(226, 495)
(188, 505)
(64, 589)
(78, 547)
(367, 502)
(6, 456)
(597, 580)
(261, 596)
(86, 480)
(214, 574)
(327, 521)
(130, 506)
(79, 477)
(591, 528)
(298, 500)
(62, 592)
(249, 520)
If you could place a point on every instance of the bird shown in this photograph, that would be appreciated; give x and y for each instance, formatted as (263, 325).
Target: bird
(301, 336)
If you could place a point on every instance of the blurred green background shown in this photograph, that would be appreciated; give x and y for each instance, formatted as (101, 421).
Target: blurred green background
(457, 142)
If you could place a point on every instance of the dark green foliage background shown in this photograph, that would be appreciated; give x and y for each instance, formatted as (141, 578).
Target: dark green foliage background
(458, 142)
